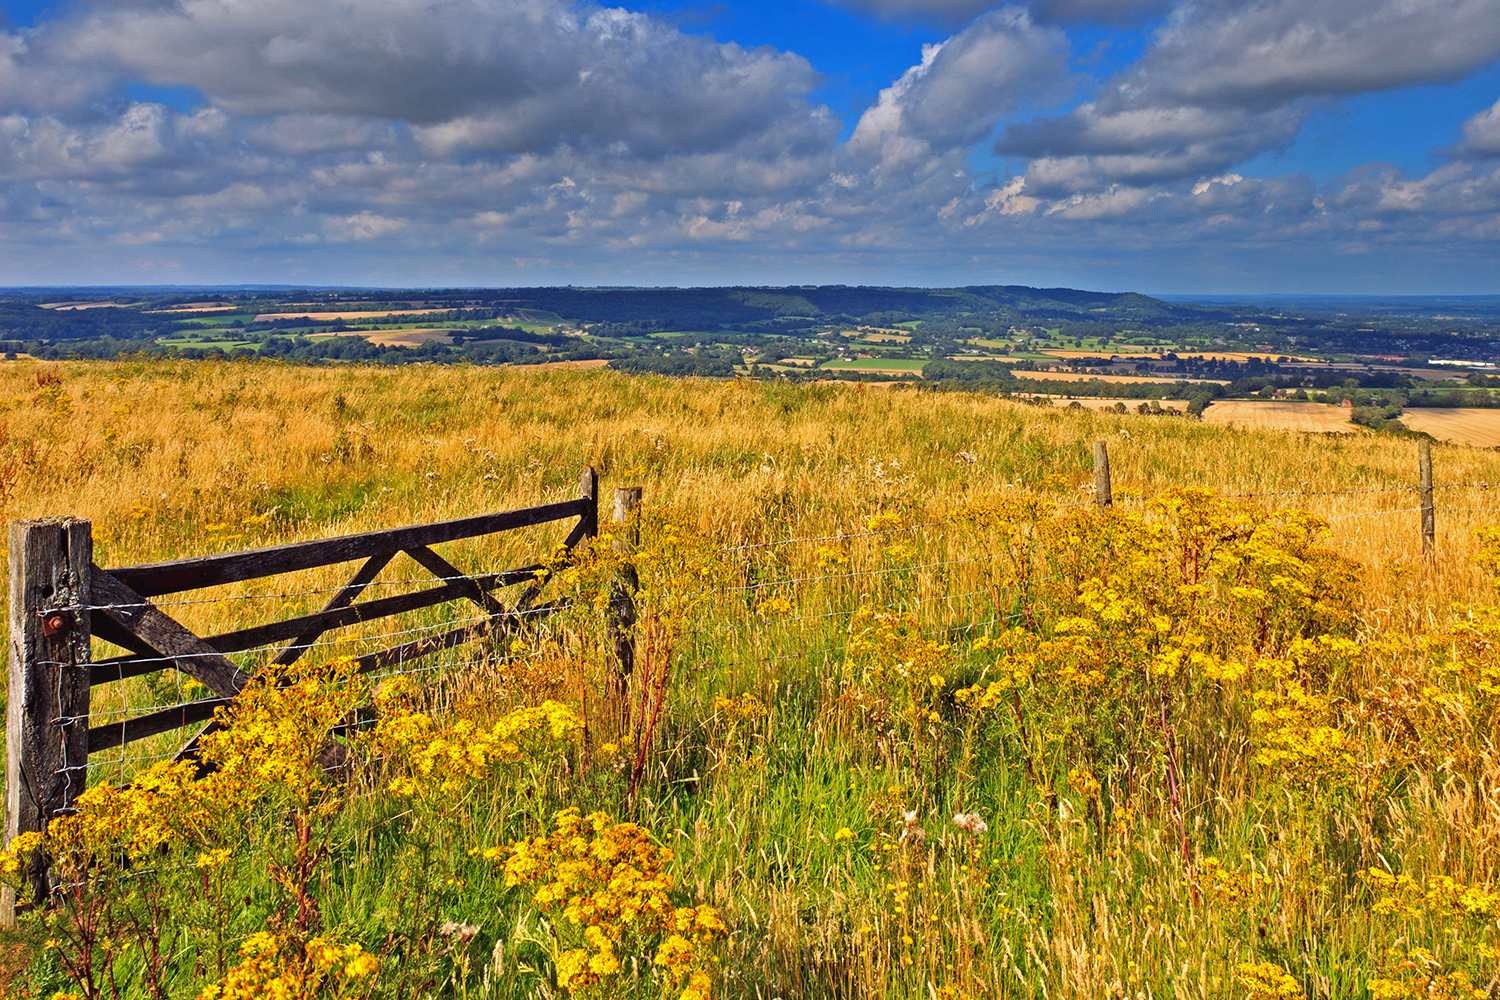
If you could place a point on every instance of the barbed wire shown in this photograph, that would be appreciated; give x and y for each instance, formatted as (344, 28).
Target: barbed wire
(367, 639)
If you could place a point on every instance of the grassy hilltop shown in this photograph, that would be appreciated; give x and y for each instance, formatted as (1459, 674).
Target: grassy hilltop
(911, 717)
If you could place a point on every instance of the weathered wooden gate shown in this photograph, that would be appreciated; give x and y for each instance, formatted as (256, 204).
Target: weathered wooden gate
(60, 601)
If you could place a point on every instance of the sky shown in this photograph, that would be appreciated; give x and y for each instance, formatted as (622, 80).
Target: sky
(1163, 146)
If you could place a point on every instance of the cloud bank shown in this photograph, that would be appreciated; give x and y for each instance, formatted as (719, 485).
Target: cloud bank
(516, 140)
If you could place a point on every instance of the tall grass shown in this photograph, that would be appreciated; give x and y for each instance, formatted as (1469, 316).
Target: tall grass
(175, 459)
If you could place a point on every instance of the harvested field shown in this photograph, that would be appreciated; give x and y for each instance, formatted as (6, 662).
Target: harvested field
(1477, 427)
(1048, 376)
(549, 365)
(796, 362)
(886, 338)
(324, 317)
(196, 307)
(1251, 414)
(67, 306)
(1129, 352)
(1156, 353)
(406, 338)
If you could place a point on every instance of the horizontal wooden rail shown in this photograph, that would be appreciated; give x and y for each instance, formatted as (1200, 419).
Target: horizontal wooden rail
(107, 737)
(154, 579)
(121, 667)
(163, 720)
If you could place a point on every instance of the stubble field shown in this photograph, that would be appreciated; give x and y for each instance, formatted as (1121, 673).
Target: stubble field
(1480, 428)
(1251, 414)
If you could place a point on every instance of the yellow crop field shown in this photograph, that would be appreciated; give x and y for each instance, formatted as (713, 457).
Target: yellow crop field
(1281, 415)
(909, 715)
(1477, 427)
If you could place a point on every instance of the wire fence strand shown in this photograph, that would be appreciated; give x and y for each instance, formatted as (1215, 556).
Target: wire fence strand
(129, 703)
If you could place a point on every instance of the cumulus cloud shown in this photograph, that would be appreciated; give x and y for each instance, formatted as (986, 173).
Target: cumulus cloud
(1481, 133)
(1267, 52)
(962, 87)
(535, 131)
(506, 75)
(1225, 80)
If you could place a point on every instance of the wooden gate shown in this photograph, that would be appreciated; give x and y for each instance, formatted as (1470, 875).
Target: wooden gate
(60, 601)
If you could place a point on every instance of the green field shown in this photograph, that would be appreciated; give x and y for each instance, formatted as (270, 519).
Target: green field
(876, 364)
(223, 345)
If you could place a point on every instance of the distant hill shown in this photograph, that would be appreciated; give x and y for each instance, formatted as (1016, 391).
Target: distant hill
(690, 308)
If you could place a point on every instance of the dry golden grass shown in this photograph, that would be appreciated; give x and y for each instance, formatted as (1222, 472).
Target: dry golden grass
(1270, 414)
(1480, 428)
(350, 448)
(171, 459)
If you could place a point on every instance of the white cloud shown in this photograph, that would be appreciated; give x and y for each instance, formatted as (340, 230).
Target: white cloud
(362, 226)
(1225, 80)
(1257, 54)
(1481, 133)
(404, 135)
(502, 75)
(962, 87)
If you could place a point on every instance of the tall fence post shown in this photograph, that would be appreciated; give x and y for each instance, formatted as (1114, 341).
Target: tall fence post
(1101, 474)
(622, 600)
(1429, 519)
(46, 721)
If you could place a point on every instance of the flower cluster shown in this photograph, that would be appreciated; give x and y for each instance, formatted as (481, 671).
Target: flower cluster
(1297, 743)
(1417, 974)
(285, 967)
(1403, 896)
(443, 761)
(610, 882)
(1267, 981)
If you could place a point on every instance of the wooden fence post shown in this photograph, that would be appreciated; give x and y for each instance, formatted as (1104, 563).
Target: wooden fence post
(46, 723)
(622, 600)
(588, 489)
(1101, 474)
(1429, 519)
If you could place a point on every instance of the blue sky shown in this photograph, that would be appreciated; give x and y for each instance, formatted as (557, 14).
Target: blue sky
(1187, 146)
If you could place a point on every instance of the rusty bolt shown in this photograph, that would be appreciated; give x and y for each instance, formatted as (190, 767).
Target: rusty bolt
(56, 622)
